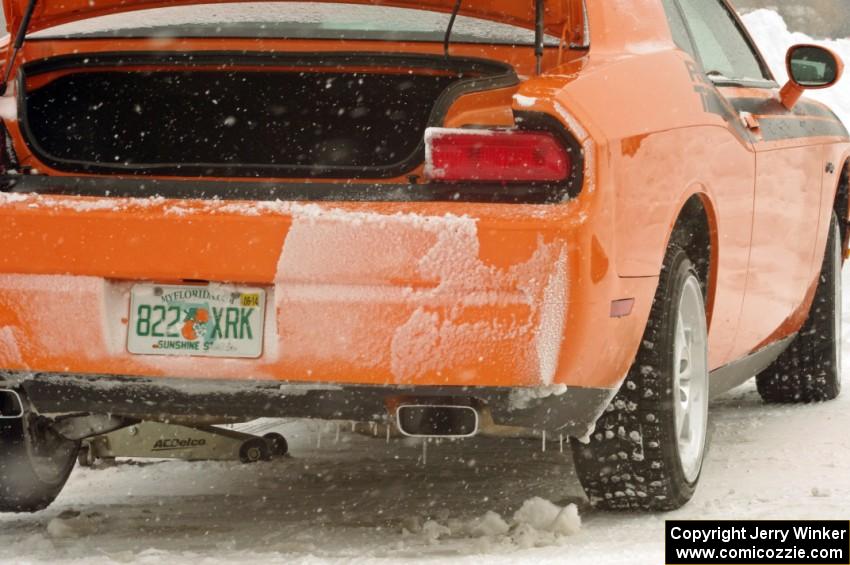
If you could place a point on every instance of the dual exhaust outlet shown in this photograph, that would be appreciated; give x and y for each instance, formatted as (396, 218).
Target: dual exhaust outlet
(437, 420)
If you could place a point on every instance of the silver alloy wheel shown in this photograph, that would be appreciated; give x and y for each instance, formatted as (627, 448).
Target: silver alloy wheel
(690, 385)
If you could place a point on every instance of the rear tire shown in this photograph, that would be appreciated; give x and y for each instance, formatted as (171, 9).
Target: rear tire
(647, 450)
(810, 369)
(35, 463)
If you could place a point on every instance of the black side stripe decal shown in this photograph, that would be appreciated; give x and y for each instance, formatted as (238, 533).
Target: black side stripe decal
(776, 129)
(806, 119)
(771, 106)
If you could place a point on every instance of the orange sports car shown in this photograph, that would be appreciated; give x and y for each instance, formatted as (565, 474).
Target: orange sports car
(539, 218)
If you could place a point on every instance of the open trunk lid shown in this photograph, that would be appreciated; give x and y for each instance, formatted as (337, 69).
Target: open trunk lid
(49, 13)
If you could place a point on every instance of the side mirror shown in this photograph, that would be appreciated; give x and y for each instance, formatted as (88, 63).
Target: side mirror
(809, 67)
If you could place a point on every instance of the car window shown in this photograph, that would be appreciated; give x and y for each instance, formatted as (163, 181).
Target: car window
(677, 27)
(295, 20)
(724, 50)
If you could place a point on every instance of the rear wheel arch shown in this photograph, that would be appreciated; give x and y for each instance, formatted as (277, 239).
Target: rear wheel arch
(646, 449)
(695, 231)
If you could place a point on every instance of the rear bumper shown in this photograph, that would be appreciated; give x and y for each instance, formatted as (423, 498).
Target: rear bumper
(359, 293)
(570, 411)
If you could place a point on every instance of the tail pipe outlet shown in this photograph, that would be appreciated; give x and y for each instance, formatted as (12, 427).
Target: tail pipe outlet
(11, 405)
(437, 420)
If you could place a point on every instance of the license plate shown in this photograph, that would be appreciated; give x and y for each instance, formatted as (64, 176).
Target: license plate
(206, 321)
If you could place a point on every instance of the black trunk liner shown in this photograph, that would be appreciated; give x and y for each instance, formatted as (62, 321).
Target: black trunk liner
(250, 120)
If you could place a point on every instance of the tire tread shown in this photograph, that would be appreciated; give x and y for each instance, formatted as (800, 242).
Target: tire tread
(627, 465)
(806, 372)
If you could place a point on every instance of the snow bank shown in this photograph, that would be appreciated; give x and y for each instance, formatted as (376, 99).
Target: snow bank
(773, 37)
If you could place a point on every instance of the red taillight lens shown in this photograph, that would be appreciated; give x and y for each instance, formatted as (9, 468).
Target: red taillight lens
(495, 156)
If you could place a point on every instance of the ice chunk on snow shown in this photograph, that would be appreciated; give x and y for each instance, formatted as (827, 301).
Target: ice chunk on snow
(432, 531)
(490, 524)
(538, 522)
(542, 515)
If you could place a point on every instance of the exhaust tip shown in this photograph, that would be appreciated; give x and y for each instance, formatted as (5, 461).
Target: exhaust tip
(11, 406)
(428, 420)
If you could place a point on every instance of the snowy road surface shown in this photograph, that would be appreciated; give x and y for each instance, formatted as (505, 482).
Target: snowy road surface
(363, 500)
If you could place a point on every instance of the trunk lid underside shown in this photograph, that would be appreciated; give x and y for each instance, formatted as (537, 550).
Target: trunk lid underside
(48, 14)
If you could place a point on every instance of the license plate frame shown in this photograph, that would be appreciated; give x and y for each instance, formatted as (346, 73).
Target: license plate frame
(214, 320)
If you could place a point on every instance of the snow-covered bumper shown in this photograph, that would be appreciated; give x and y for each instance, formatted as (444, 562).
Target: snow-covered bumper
(366, 293)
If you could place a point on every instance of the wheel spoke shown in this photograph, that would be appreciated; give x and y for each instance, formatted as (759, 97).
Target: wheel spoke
(680, 420)
(685, 433)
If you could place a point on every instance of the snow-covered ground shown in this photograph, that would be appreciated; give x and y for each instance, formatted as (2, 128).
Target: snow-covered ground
(363, 500)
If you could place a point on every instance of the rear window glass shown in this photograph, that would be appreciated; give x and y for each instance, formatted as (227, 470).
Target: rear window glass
(295, 20)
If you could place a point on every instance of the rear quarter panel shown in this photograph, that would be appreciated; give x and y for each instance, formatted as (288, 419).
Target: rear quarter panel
(655, 146)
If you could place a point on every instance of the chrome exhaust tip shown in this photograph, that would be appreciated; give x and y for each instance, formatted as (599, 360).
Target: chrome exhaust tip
(437, 420)
(11, 405)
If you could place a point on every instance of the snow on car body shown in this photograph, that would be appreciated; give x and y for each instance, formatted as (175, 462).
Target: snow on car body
(485, 227)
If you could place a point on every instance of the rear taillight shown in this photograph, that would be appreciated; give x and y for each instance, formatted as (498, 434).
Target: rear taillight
(501, 156)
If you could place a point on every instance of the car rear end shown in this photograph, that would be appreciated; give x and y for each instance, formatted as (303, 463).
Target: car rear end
(301, 218)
